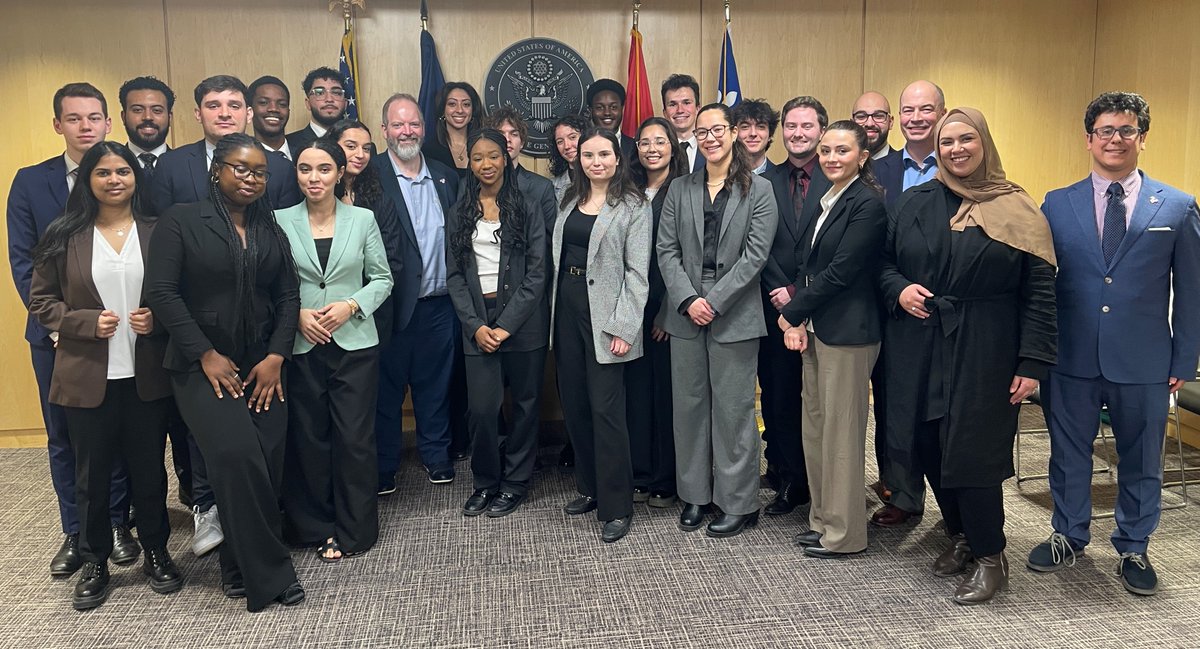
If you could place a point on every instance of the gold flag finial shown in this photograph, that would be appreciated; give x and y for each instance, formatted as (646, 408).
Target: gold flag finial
(637, 6)
(347, 7)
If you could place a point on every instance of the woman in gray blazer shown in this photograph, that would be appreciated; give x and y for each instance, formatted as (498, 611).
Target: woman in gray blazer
(601, 255)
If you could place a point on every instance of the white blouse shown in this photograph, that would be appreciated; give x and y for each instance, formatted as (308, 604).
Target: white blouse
(118, 279)
(487, 255)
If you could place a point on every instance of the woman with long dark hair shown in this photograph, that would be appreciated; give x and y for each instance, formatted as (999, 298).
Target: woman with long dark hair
(566, 132)
(715, 233)
(223, 284)
(329, 477)
(108, 377)
(459, 113)
(601, 260)
(833, 320)
(496, 275)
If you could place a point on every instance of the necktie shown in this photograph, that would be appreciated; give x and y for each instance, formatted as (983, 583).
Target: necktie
(72, 176)
(1114, 222)
(799, 191)
(148, 160)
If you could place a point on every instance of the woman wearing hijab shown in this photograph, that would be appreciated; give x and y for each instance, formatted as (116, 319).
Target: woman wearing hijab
(968, 277)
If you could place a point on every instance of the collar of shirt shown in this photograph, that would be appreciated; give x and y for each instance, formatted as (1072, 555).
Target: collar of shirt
(882, 153)
(829, 200)
(72, 166)
(318, 129)
(762, 167)
(421, 175)
(808, 167)
(910, 161)
(691, 142)
(209, 149)
(285, 149)
(156, 152)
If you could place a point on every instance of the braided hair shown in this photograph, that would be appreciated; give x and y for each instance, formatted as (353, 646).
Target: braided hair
(468, 210)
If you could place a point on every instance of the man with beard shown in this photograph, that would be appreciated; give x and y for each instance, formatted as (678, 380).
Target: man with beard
(326, 100)
(756, 123)
(270, 103)
(420, 356)
(147, 106)
(873, 112)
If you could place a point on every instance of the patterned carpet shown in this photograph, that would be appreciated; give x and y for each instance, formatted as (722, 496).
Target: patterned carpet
(541, 579)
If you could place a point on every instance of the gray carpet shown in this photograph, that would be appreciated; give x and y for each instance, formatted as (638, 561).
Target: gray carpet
(541, 579)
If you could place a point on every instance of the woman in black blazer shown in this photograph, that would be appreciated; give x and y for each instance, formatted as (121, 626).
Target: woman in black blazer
(459, 113)
(833, 320)
(223, 284)
(108, 376)
(496, 275)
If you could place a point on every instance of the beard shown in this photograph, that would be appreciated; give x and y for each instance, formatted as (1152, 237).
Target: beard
(327, 122)
(405, 151)
(148, 144)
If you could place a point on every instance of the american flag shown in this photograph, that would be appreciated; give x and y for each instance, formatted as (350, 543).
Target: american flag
(348, 65)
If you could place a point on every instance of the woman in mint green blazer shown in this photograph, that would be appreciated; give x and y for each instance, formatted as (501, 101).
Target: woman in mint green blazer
(329, 476)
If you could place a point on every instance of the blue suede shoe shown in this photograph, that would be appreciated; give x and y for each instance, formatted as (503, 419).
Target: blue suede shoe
(1053, 554)
(1136, 573)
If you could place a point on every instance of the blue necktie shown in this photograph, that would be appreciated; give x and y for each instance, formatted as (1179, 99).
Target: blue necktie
(1114, 222)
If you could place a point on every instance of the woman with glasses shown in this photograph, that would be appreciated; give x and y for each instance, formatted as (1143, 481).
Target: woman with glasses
(222, 283)
(459, 113)
(716, 231)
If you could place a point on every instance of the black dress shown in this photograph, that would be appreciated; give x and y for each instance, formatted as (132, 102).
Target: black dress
(993, 317)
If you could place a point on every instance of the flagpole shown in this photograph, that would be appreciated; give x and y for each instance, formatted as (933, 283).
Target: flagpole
(637, 6)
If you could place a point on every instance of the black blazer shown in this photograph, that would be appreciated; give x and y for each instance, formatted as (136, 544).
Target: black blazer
(389, 229)
(889, 171)
(541, 191)
(784, 262)
(190, 287)
(408, 283)
(298, 140)
(629, 148)
(182, 176)
(838, 292)
(520, 307)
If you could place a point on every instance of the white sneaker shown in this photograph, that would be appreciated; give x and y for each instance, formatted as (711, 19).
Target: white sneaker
(208, 531)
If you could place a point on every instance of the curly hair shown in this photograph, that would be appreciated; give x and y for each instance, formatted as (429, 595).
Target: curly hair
(468, 211)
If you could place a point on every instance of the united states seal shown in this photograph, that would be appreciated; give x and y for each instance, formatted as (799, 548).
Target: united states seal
(543, 80)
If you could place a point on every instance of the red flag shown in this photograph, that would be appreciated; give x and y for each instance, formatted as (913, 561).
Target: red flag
(638, 104)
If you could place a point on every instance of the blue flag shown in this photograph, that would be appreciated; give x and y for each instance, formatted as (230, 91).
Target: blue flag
(729, 89)
(348, 66)
(432, 80)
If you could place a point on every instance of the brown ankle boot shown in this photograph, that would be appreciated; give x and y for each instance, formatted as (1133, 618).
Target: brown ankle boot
(955, 559)
(989, 577)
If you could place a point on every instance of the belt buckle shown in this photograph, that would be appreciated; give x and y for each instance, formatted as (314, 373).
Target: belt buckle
(575, 270)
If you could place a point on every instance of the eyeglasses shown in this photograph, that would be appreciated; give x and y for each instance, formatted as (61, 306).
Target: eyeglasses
(862, 116)
(242, 172)
(1127, 132)
(320, 92)
(717, 131)
(645, 145)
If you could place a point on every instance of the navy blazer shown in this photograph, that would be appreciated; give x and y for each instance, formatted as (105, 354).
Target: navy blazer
(182, 175)
(408, 284)
(299, 139)
(1113, 319)
(889, 171)
(38, 196)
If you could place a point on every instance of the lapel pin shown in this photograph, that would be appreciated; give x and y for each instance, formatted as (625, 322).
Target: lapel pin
(1153, 200)
(442, 180)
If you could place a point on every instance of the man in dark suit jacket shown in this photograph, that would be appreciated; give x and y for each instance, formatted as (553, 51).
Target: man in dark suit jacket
(183, 175)
(606, 105)
(421, 353)
(37, 197)
(147, 106)
(756, 123)
(873, 112)
(681, 104)
(325, 97)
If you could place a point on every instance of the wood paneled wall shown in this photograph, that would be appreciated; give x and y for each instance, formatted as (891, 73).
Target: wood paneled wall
(1030, 66)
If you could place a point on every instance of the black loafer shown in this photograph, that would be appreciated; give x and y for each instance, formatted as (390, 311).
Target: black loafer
(821, 552)
(788, 498)
(641, 494)
(505, 504)
(235, 590)
(478, 502)
(616, 529)
(580, 505)
(292, 595)
(660, 498)
(68, 559)
(691, 518)
(92, 589)
(728, 525)
(125, 548)
(164, 576)
(807, 539)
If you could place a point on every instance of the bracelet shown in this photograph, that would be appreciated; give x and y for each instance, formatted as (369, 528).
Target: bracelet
(354, 309)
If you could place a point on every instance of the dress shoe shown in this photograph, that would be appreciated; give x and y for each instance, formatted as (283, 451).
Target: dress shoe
(691, 518)
(808, 539)
(728, 525)
(92, 589)
(955, 559)
(881, 490)
(387, 484)
(1136, 573)
(234, 590)
(505, 504)
(67, 560)
(478, 503)
(789, 497)
(566, 457)
(292, 595)
(164, 576)
(660, 498)
(989, 577)
(616, 529)
(125, 548)
(1053, 554)
(893, 516)
(208, 531)
(580, 505)
(821, 552)
(460, 454)
(440, 474)
(641, 494)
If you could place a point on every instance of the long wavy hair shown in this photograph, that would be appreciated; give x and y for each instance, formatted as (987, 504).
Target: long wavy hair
(740, 171)
(368, 191)
(677, 166)
(468, 211)
(82, 206)
(476, 109)
(620, 188)
(559, 164)
(867, 173)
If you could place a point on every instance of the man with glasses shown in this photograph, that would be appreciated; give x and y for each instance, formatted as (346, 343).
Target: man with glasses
(326, 100)
(1124, 243)
(873, 112)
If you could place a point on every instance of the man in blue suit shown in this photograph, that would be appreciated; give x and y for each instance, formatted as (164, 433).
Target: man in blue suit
(38, 196)
(1124, 243)
(421, 353)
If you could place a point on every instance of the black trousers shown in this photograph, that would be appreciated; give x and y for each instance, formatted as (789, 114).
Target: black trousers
(593, 404)
(502, 457)
(181, 452)
(122, 429)
(779, 378)
(245, 451)
(977, 512)
(330, 472)
(879, 398)
(460, 430)
(648, 415)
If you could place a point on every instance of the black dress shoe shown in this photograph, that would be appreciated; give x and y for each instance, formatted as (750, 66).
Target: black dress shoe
(505, 504)
(691, 518)
(580, 505)
(728, 525)
(125, 548)
(460, 454)
(788, 498)
(92, 589)
(807, 539)
(616, 529)
(478, 502)
(641, 494)
(67, 560)
(566, 457)
(821, 552)
(292, 595)
(164, 576)
(234, 590)
(661, 498)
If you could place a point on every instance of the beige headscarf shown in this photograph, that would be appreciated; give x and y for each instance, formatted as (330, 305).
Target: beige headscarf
(1005, 212)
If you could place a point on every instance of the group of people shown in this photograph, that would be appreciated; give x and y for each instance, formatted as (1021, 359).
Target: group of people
(266, 302)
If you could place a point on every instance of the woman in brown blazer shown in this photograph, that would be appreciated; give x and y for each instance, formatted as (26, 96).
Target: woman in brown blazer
(108, 375)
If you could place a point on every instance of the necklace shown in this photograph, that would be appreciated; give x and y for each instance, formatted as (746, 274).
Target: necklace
(320, 228)
(715, 183)
(120, 232)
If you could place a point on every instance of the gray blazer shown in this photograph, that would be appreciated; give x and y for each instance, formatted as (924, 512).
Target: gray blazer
(618, 267)
(747, 230)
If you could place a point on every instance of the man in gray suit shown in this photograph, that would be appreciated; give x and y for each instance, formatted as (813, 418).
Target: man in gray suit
(715, 233)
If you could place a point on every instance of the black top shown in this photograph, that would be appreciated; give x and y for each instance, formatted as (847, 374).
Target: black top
(323, 246)
(577, 233)
(440, 152)
(713, 211)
